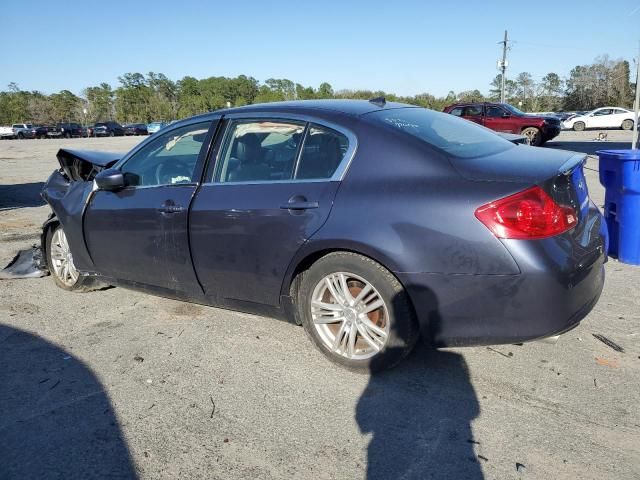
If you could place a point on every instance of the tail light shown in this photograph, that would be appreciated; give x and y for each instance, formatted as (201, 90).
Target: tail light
(529, 214)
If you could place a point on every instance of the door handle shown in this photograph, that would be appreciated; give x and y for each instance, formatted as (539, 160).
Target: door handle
(299, 205)
(171, 208)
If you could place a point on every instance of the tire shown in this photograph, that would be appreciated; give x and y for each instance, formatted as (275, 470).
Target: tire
(578, 126)
(20, 136)
(111, 134)
(627, 125)
(534, 135)
(394, 316)
(73, 281)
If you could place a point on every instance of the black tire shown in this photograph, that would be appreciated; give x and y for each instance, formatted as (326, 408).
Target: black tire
(82, 284)
(111, 134)
(20, 136)
(403, 327)
(579, 126)
(627, 125)
(534, 135)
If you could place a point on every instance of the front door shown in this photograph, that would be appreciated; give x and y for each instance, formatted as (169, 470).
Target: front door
(498, 119)
(272, 188)
(140, 233)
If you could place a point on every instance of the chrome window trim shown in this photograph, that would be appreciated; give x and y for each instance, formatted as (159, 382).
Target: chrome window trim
(337, 176)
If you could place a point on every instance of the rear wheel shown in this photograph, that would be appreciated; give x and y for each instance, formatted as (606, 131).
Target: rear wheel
(20, 136)
(578, 126)
(356, 312)
(60, 263)
(534, 136)
(627, 125)
(111, 134)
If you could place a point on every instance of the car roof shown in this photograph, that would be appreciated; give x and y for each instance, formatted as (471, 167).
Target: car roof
(345, 107)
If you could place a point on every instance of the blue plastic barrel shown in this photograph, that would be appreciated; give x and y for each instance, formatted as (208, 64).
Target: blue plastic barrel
(620, 176)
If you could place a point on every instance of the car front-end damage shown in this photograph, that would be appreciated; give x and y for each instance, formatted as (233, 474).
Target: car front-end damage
(68, 191)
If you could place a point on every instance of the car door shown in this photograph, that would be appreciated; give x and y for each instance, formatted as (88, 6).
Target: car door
(140, 233)
(498, 119)
(271, 188)
(473, 113)
(600, 118)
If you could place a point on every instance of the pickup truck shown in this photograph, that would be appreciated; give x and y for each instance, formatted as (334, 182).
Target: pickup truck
(17, 130)
(505, 118)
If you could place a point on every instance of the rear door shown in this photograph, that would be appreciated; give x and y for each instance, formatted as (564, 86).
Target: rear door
(271, 187)
(140, 233)
(473, 113)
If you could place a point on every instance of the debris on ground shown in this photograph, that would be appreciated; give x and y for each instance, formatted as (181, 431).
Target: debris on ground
(519, 467)
(138, 359)
(606, 363)
(482, 457)
(608, 343)
(509, 355)
(26, 264)
(213, 410)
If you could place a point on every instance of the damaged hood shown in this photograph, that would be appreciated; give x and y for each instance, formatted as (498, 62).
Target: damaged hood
(84, 164)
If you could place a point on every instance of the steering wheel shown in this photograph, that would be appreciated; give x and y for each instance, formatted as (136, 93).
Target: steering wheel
(166, 171)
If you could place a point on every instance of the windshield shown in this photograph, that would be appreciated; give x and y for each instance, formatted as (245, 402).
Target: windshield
(513, 109)
(455, 136)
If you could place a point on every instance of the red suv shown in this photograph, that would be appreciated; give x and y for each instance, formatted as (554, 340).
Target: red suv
(502, 117)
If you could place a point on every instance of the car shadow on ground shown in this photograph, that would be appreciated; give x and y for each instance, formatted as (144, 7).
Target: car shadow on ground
(590, 148)
(56, 420)
(21, 195)
(419, 416)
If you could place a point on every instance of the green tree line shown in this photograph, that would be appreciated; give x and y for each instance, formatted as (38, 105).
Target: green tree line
(145, 98)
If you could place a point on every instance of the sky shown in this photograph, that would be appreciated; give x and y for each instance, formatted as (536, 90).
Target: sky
(403, 47)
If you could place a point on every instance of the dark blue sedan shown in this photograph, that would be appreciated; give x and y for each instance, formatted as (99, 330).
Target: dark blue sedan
(369, 223)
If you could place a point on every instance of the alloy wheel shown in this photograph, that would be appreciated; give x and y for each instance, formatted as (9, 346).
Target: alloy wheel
(350, 316)
(62, 260)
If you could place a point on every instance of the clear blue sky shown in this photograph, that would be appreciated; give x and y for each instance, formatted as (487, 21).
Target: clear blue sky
(406, 47)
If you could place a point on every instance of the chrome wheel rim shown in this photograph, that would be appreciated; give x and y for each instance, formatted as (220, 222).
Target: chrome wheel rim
(350, 316)
(532, 136)
(62, 260)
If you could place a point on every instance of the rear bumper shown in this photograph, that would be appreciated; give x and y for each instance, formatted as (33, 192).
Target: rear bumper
(546, 299)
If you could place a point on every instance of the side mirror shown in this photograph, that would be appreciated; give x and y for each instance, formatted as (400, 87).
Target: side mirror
(110, 179)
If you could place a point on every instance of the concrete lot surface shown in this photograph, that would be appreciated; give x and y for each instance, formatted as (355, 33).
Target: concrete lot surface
(118, 384)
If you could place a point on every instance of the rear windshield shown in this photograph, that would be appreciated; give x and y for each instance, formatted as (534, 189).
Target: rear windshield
(455, 136)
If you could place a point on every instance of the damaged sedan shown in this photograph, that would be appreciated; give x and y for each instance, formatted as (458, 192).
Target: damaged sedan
(368, 223)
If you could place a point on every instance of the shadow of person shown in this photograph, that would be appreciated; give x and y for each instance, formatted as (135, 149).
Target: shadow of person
(56, 420)
(21, 195)
(419, 416)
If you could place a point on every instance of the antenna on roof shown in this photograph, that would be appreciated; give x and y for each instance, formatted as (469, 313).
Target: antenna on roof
(379, 101)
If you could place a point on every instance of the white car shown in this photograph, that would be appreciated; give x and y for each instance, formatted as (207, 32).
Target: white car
(605, 117)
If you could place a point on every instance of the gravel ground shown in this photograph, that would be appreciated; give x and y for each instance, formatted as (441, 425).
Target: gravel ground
(118, 383)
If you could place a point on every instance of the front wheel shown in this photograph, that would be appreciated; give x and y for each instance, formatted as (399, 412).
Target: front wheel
(356, 312)
(534, 135)
(627, 125)
(60, 263)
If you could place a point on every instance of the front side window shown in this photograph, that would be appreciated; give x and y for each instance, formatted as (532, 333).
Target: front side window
(452, 135)
(605, 111)
(495, 112)
(259, 151)
(168, 159)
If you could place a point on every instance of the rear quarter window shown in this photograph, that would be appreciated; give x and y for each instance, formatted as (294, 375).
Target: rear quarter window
(454, 136)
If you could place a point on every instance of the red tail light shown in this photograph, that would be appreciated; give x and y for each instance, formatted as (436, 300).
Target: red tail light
(528, 214)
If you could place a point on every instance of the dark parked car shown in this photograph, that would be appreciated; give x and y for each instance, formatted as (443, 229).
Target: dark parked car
(66, 130)
(366, 222)
(503, 117)
(108, 129)
(136, 129)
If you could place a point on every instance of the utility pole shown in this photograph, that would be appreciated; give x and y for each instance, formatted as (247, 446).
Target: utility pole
(636, 105)
(503, 67)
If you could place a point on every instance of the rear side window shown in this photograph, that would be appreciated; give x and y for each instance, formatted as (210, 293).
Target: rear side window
(456, 111)
(473, 111)
(322, 152)
(452, 135)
